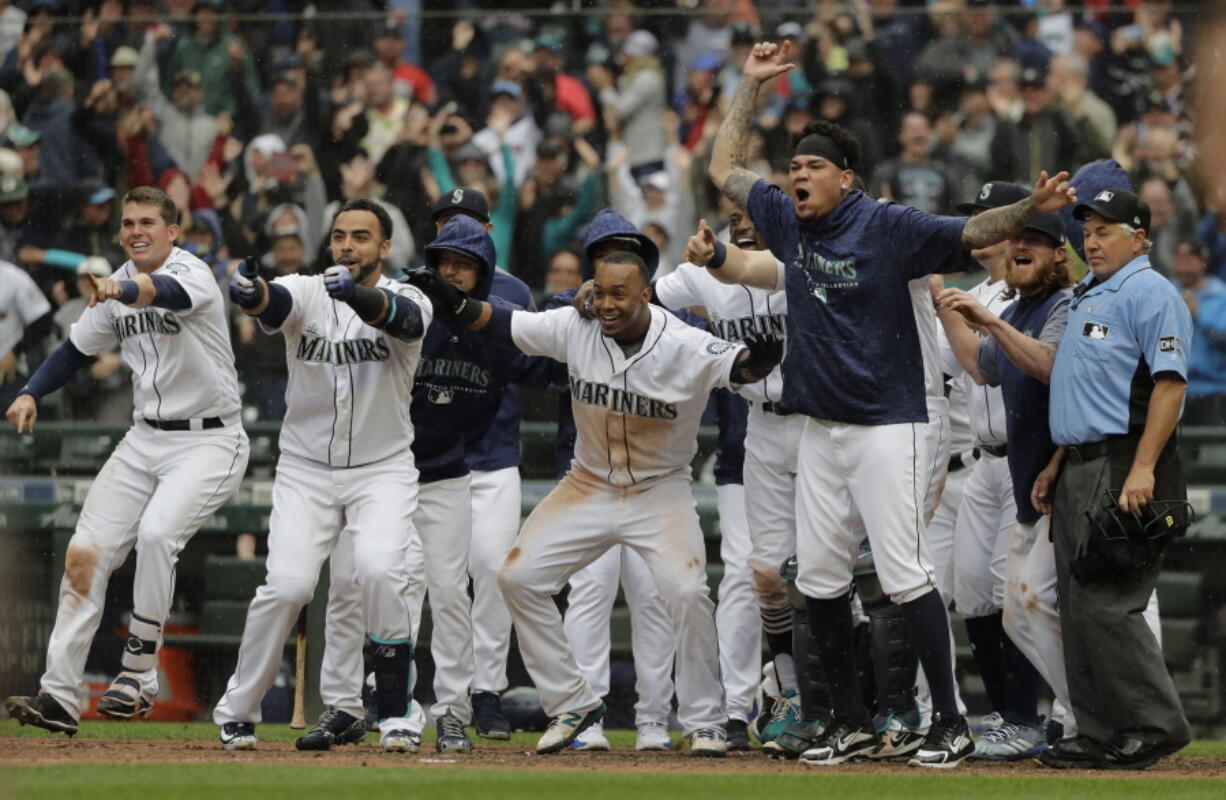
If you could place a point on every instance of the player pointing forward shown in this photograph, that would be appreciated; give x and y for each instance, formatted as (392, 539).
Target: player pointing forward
(183, 458)
(854, 366)
(353, 340)
(639, 380)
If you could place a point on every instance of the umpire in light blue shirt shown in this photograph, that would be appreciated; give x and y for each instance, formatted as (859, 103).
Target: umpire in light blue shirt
(1117, 389)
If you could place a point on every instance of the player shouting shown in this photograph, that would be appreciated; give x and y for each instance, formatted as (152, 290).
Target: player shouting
(183, 458)
(639, 380)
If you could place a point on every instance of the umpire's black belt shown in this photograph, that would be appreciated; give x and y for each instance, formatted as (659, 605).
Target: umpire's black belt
(203, 424)
(1084, 453)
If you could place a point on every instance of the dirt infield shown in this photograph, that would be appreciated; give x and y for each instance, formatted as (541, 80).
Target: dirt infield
(52, 751)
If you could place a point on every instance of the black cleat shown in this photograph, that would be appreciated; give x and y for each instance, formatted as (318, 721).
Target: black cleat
(843, 740)
(238, 736)
(737, 732)
(452, 737)
(947, 743)
(488, 718)
(41, 711)
(334, 727)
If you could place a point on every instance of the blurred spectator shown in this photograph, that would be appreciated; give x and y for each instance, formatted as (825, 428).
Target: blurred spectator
(25, 317)
(707, 35)
(553, 209)
(101, 36)
(27, 143)
(412, 79)
(101, 393)
(12, 21)
(1173, 217)
(636, 101)
(521, 134)
(662, 199)
(836, 100)
(21, 228)
(560, 90)
(1055, 27)
(1069, 79)
(964, 138)
(457, 75)
(565, 272)
(978, 40)
(1206, 298)
(914, 178)
(92, 230)
(185, 129)
(385, 112)
(1043, 139)
(293, 109)
(740, 45)
(1212, 231)
(50, 116)
(213, 55)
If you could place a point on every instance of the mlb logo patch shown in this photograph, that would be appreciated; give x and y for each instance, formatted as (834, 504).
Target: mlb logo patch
(1106, 196)
(1168, 344)
(1095, 330)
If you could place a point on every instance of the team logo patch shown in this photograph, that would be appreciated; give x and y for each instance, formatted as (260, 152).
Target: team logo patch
(1095, 330)
(457, 196)
(985, 192)
(715, 348)
(135, 646)
(1168, 344)
(1105, 195)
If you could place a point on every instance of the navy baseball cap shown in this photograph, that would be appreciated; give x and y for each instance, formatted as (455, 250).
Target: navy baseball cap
(996, 194)
(1051, 224)
(1116, 205)
(464, 199)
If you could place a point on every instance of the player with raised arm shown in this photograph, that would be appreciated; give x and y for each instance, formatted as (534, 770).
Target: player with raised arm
(183, 458)
(353, 340)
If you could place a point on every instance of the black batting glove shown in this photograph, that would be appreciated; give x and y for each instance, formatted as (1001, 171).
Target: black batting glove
(445, 298)
(762, 354)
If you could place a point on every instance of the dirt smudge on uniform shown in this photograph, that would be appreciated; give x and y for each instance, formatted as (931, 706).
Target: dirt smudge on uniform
(772, 590)
(79, 566)
(513, 556)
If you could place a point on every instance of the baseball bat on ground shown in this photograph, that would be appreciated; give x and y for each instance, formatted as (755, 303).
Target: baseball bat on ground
(298, 720)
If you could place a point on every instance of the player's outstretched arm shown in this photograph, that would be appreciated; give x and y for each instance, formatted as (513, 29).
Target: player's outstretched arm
(728, 263)
(267, 302)
(999, 224)
(394, 313)
(53, 373)
(139, 291)
(730, 153)
(472, 313)
(1032, 356)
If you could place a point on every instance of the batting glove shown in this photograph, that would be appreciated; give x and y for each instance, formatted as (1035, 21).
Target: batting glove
(338, 281)
(245, 288)
(763, 354)
(443, 296)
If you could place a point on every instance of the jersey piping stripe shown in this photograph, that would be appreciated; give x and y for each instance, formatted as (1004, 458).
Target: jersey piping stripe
(608, 450)
(195, 521)
(157, 362)
(626, 385)
(353, 404)
(919, 543)
(335, 391)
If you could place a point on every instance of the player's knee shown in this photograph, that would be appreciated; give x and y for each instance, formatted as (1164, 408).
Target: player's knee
(288, 590)
(372, 565)
(771, 589)
(511, 577)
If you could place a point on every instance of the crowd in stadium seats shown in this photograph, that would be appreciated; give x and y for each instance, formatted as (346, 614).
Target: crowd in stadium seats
(258, 126)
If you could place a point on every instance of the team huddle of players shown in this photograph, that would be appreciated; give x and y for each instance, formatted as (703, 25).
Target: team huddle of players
(864, 465)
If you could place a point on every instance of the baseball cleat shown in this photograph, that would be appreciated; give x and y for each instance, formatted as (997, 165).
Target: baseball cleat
(592, 739)
(843, 740)
(488, 718)
(451, 735)
(41, 711)
(1074, 752)
(124, 699)
(400, 740)
(652, 736)
(1010, 742)
(793, 740)
(737, 734)
(900, 734)
(565, 728)
(334, 727)
(784, 711)
(238, 736)
(708, 743)
(947, 743)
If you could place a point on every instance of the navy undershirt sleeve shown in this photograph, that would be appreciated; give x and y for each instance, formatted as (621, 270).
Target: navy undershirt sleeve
(279, 305)
(53, 373)
(499, 326)
(403, 319)
(170, 293)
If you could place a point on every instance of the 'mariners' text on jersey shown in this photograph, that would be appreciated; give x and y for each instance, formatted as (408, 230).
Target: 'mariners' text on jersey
(346, 351)
(619, 400)
(150, 321)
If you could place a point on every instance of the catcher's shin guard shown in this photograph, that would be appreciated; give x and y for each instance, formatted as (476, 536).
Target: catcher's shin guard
(895, 660)
(814, 690)
(393, 668)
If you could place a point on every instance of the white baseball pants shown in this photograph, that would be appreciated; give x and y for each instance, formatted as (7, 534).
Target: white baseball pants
(985, 525)
(312, 504)
(738, 623)
(941, 528)
(496, 510)
(772, 445)
(593, 591)
(573, 526)
(153, 493)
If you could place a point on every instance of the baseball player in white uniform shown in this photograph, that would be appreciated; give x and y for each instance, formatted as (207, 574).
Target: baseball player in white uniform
(752, 593)
(22, 304)
(182, 459)
(353, 340)
(639, 381)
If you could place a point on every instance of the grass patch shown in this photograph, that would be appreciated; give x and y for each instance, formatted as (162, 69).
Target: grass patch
(189, 781)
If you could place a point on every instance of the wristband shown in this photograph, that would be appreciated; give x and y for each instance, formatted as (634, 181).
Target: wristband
(721, 253)
(130, 294)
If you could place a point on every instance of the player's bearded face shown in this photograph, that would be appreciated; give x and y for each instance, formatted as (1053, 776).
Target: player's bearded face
(817, 186)
(145, 236)
(358, 244)
(1032, 258)
(621, 300)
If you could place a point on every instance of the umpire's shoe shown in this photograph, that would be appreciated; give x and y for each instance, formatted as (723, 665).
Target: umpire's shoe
(488, 718)
(451, 735)
(41, 711)
(947, 743)
(124, 699)
(845, 739)
(565, 728)
(334, 727)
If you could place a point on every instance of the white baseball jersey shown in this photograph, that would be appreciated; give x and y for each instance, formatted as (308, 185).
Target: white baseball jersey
(637, 417)
(21, 303)
(984, 403)
(347, 399)
(181, 361)
(926, 325)
(735, 312)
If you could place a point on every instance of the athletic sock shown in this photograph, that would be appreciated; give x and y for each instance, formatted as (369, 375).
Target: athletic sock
(777, 627)
(1022, 682)
(830, 622)
(928, 629)
(987, 637)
